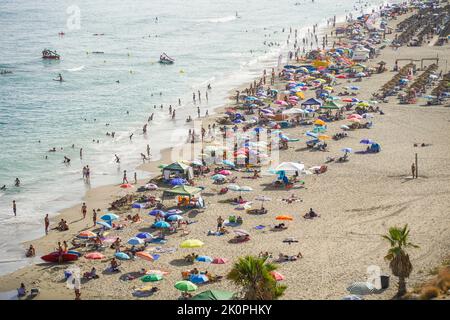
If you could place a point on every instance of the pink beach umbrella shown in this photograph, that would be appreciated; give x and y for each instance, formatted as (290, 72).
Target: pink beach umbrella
(354, 116)
(281, 102)
(219, 260)
(94, 256)
(277, 276)
(225, 172)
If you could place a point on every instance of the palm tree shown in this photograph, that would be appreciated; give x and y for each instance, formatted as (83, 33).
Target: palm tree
(398, 258)
(253, 275)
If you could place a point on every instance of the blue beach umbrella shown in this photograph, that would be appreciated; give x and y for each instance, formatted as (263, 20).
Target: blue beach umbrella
(198, 278)
(311, 134)
(137, 206)
(144, 236)
(109, 217)
(178, 181)
(228, 163)
(367, 141)
(218, 177)
(122, 256)
(135, 241)
(174, 217)
(204, 259)
(104, 224)
(161, 225)
(347, 150)
(155, 212)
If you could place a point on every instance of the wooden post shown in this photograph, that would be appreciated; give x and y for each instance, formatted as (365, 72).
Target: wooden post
(417, 167)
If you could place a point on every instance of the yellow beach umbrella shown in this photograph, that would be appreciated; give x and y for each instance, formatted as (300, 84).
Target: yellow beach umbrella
(323, 137)
(319, 122)
(301, 95)
(328, 88)
(191, 243)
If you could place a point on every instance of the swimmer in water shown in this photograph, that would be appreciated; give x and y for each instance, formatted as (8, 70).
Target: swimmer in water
(59, 78)
(3, 188)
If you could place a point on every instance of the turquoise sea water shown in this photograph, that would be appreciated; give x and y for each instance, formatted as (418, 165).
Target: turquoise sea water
(210, 45)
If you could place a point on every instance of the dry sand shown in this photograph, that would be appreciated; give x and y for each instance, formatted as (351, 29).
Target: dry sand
(358, 201)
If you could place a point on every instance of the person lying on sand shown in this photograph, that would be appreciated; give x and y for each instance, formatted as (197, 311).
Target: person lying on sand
(265, 255)
(280, 226)
(284, 257)
(92, 274)
(30, 252)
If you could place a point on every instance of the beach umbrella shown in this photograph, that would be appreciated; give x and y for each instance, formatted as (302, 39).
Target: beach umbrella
(214, 295)
(151, 186)
(122, 256)
(234, 187)
(246, 188)
(284, 217)
(144, 236)
(276, 275)
(367, 115)
(354, 88)
(219, 261)
(319, 122)
(347, 100)
(137, 205)
(290, 166)
(135, 241)
(217, 177)
(104, 224)
(110, 217)
(191, 243)
(126, 186)
(367, 141)
(174, 211)
(361, 288)
(161, 225)
(311, 134)
(145, 256)
(86, 235)
(300, 94)
(94, 256)
(174, 217)
(177, 181)
(204, 259)
(151, 277)
(228, 163)
(224, 172)
(345, 127)
(323, 137)
(241, 232)
(185, 286)
(156, 212)
(354, 116)
(198, 278)
(347, 150)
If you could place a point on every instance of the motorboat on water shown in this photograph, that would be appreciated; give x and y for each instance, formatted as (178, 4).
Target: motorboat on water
(165, 59)
(49, 54)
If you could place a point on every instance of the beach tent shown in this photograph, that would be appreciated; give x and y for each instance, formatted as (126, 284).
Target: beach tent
(331, 105)
(182, 190)
(214, 295)
(179, 169)
(312, 102)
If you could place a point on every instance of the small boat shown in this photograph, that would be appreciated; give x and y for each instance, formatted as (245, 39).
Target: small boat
(165, 59)
(49, 54)
(5, 72)
(54, 257)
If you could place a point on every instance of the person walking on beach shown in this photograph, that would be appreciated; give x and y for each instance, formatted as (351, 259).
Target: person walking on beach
(117, 158)
(84, 210)
(135, 178)
(124, 180)
(81, 153)
(413, 170)
(88, 174)
(94, 217)
(14, 208)
(219, 223)
(198, 111)
(46, 223)
(148, 150)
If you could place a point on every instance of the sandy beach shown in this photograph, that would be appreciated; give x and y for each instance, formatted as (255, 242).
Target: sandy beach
(357, 200)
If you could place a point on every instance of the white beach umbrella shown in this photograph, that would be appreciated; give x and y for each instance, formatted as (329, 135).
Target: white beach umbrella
(290, 166)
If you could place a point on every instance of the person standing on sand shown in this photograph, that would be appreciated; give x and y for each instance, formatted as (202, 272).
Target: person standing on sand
(81, 153)
(148, 150)
(124, 180)
(135, 178)
(413, 170)
(46, 223)
(14, 208)
(84, 210)
(94, 217)
(198, 111)
(219, 223)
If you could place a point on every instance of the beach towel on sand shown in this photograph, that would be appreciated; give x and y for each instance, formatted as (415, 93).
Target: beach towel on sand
(260, 227)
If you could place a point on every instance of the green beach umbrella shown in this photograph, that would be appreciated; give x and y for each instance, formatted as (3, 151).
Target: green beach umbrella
(214, 295)
(152, 277)
(185, 286)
